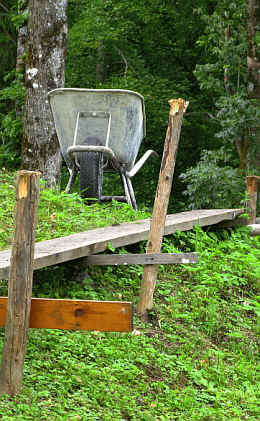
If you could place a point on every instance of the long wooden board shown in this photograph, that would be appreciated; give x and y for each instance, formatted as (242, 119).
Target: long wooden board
(59, 250)
(107, 316)
(143, 259)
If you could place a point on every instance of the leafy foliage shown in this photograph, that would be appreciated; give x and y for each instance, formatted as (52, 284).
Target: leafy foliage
(7, 38)
(226, 77)
(213, 184)
(11, 87)
(11, 125)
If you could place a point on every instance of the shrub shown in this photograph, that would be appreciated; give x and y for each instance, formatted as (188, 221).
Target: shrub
(212, 183)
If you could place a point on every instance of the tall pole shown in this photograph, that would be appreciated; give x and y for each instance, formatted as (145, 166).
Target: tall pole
(178, 107)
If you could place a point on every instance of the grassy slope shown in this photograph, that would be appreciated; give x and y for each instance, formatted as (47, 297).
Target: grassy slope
(60, 214)
(196, 359)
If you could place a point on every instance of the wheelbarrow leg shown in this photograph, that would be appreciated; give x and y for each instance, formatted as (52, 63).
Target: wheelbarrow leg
(128, 188)
(131, 193)
(125, 185)
(73, 174)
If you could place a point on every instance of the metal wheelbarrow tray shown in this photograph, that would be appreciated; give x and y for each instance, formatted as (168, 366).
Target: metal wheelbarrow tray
(100, 130)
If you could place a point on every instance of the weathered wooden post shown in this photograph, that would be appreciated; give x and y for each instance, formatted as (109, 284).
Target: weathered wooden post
(20, 282)
(252, 186)
(178, 107)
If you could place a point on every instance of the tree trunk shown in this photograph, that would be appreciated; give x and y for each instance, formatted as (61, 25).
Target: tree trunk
(226, 70)
(253, 59)
(242, 146)
(100, 65)
(253, 65)
(45, 67)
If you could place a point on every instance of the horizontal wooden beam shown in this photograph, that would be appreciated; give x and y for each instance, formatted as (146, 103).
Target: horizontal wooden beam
(107, 316)
(75, 246)
(143, 259)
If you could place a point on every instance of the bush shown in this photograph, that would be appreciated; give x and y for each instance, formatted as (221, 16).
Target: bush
(11, 124)
(212, 184)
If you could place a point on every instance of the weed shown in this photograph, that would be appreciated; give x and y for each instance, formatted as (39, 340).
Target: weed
(61, 214)
(196, 360)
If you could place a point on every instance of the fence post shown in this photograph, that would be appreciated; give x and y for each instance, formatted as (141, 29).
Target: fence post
(252, 186)
(20, 282)
(178, 107)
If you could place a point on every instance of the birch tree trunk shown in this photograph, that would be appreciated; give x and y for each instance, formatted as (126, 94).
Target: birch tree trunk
(44, 71)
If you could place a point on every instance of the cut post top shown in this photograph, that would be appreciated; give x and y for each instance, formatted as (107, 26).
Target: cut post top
(177, 105)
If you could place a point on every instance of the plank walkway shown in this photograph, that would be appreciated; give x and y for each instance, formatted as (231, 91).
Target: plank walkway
(59, 250)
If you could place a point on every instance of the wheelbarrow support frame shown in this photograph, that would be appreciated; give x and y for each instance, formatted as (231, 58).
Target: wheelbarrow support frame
(125, 175)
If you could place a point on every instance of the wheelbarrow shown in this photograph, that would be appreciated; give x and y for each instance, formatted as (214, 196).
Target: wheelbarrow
(100, 130)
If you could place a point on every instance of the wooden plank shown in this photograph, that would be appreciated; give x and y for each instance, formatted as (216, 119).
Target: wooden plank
(106, 316)
(20, 282)
(75, 246)
(142, 259)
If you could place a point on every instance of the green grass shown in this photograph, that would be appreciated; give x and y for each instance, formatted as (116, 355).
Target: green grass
(60, 214)
(197, 359)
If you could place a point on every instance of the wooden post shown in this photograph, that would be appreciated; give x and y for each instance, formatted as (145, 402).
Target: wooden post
(20, 282)
(252, 186)
(178, 107)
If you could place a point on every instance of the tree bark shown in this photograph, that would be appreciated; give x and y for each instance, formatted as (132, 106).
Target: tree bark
(242, 146)
(253, 65)
(253, 59)
(45, 68)
(252, 187)
(20, 283)
(226, 73)
(100, 65)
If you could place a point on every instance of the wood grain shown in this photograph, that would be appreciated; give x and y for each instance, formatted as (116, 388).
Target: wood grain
(107, 316)
(20, 282)
(75, 246)
(161, 201)
(252, 187)
(142, 259)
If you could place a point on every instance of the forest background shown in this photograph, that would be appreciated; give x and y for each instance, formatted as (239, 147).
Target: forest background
(204, 51)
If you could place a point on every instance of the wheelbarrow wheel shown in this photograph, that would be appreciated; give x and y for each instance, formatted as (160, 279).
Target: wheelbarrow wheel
(91, 174)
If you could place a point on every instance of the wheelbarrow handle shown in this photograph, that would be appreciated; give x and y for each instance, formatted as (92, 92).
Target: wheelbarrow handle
(141, 162)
